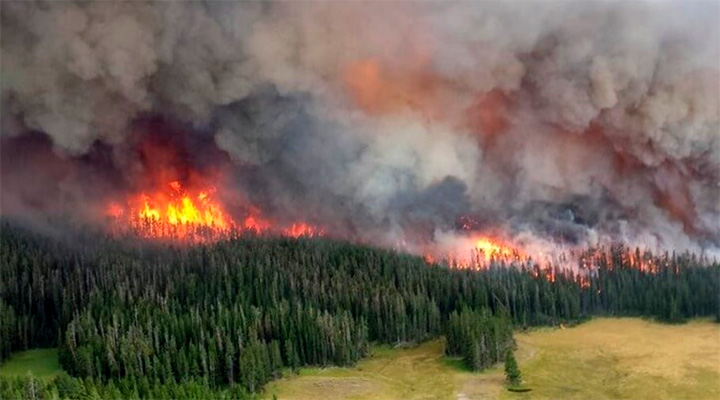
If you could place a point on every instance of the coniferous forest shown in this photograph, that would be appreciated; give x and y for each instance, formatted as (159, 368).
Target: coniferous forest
(140, 320)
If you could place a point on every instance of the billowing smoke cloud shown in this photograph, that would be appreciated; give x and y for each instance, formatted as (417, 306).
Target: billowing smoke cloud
(579, 123)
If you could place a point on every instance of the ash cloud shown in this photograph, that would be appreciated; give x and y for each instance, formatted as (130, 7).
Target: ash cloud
(583, 123)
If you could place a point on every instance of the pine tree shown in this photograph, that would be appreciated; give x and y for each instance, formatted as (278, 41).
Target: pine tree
(168, 315)
(512, 372)
(31, 390)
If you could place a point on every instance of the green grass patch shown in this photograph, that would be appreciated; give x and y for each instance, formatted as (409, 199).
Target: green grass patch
(456, 363)
(42, 363)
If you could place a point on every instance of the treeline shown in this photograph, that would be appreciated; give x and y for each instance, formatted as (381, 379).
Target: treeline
(217, 343)
(479, 337)
(65, 387)
(668, 287)
(238, 312)
(8, 327)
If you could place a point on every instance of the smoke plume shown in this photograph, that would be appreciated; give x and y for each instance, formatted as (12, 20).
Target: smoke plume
(401, 123)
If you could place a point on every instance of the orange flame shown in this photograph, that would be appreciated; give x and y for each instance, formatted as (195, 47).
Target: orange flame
(491, 248)
(487, 249)
(302, 229)
(173, 213)
(177, 213)
(183, 208)
(477, 252)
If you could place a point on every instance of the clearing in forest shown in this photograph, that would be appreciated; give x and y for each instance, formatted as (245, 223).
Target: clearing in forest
(42, 363)
(605, 358)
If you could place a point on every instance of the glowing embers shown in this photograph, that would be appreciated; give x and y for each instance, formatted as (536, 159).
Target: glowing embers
(622, 257)
(256, 224)
(303, 230)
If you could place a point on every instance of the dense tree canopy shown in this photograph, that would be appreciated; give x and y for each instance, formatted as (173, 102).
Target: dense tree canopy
(234, 313)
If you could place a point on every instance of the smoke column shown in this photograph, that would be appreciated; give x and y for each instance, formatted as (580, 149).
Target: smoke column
(401, 123)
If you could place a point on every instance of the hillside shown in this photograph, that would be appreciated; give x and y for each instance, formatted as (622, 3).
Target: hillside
(224, 319)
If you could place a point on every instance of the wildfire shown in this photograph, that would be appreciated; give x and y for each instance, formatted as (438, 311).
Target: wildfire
(475, 252)
(184, 209)
(192, 215)
(487, 249)
(173, 212)
(490, 248)
(303, 229)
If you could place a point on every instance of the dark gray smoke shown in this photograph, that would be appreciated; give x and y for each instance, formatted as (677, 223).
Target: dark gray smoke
(554, 122)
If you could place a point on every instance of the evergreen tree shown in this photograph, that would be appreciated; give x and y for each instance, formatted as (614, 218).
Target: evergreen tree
(197, 320)
(512, 372)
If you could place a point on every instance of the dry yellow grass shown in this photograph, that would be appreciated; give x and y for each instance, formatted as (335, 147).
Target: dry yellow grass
(622, 358)
(618, 358)
(418, 373)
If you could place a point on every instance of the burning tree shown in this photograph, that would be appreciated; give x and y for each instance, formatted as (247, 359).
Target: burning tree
(178, 214)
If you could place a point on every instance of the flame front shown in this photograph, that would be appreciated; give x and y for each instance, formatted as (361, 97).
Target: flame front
(182, 208)
(173, 213)
(487, 249)
(187, 215)
(476, 251)
(493, 249)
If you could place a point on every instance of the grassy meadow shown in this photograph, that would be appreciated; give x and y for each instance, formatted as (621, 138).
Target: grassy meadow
(604, 358)
(416, 373)
(618, 358)
(622, 359)
(42, 363)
